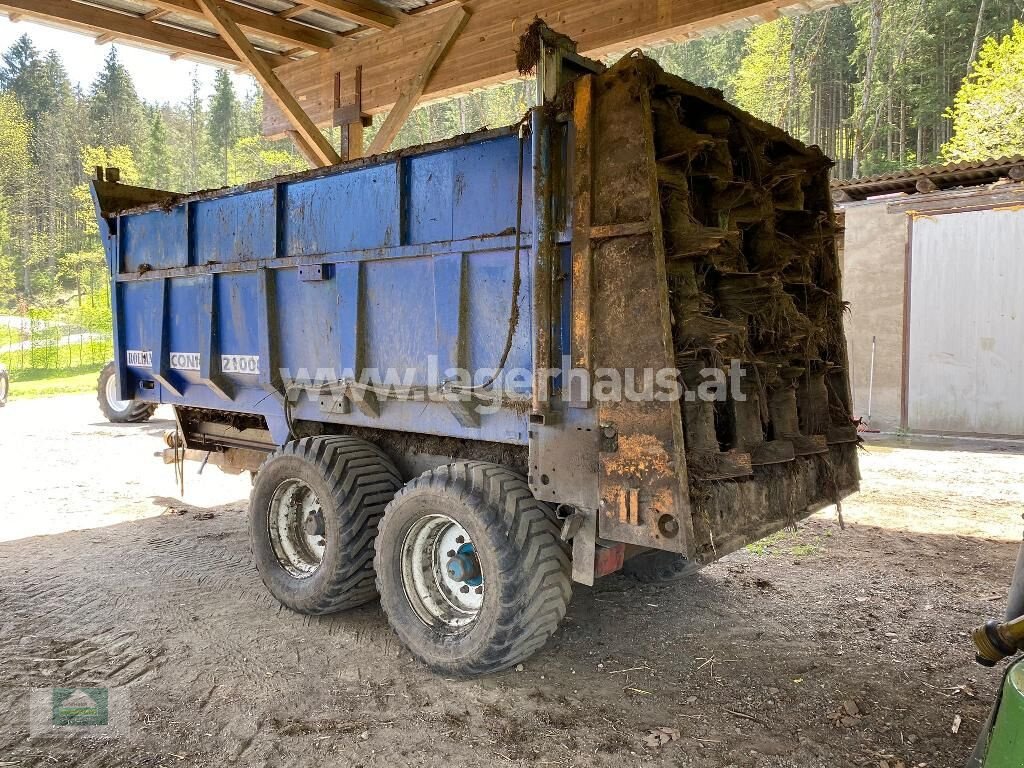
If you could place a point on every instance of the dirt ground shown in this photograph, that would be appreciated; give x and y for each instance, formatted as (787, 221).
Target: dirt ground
(823, 647)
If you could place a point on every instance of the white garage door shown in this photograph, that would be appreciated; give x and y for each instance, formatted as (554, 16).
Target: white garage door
(966, 371)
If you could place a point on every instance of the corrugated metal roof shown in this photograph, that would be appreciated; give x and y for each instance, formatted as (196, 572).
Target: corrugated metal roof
(964, 174)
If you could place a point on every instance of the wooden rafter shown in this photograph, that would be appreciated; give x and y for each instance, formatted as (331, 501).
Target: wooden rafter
(434, 7)
(295, 10)
(128, 27)
(407, 102)
(315, 142)
(264, 24)
(365, 12)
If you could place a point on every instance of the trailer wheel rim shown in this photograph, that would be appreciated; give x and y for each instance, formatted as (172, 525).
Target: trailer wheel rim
(3, 387)
(116, 404)
(297, 530)
(441, 594)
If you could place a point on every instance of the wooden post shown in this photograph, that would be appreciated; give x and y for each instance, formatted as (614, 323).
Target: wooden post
(320, 148)
(407, 101)
(350, 117)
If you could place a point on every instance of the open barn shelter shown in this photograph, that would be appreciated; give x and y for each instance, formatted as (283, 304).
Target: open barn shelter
(700, 579)
(327, 63)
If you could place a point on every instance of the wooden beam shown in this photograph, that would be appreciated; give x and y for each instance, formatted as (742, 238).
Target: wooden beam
(484, 53)
(294, 11)
(407, 102)
(127, 27)
(106, 37)
(256, 22)
(261, 70)
(434, 7)
(365, 12)
(157, 13)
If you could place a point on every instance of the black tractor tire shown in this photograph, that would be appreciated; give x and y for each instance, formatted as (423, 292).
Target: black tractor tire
(353, 481)
(659, 567)
(525, 568)
(134, 412)
(5, 388)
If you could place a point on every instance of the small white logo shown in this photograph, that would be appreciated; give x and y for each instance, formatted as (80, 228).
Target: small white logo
(185, 361)
(247, 364)
(139, 358)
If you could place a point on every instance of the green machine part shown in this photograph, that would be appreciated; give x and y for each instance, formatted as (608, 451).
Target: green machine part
(1006, 744)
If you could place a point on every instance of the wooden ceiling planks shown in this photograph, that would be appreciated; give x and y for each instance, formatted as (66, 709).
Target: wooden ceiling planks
(484, 53)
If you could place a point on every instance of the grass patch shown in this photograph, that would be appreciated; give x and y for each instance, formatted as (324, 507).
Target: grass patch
(803, 550)
(786, 542)
(763, 548)
(46, 383)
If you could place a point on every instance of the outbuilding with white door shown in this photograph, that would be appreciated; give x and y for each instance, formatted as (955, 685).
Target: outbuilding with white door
(933, 264)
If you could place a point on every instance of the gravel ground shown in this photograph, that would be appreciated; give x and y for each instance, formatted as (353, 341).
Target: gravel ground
(820, 647)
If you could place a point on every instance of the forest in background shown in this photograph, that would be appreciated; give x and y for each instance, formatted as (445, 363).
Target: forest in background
(878, 84)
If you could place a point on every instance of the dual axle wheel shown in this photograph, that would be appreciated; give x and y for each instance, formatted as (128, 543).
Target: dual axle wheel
(467, 563)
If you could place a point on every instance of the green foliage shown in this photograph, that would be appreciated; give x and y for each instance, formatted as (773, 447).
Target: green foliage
(222, 127)
(156, 157)
(114, 106)
(22, 76)
(988, 111)
(869, 82)
(770, 86)
(255, 158)
(14, 165)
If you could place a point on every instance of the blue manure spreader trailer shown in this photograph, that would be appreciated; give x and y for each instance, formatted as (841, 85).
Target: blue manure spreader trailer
(469, 374)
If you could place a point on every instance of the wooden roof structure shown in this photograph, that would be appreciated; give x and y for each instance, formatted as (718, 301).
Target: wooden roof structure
(336, 62)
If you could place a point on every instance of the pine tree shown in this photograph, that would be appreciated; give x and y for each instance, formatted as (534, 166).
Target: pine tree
(188, 140)
(114, 107)
(222, 126)
(15, 224)
(22, 75)
(156, 157)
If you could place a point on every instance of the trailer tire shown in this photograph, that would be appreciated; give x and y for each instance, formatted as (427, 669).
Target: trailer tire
(521, 581)
(313, 515)
(115, 410)
(5, 387)
(659, 567)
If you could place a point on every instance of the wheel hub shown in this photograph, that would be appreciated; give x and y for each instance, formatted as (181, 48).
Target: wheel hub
(297, 528)
(441, 573)
(314, 523)
(465, 566)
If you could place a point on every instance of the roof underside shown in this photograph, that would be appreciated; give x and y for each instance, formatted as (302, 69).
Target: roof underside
(336, 62)
(314, 24)
(301, 28)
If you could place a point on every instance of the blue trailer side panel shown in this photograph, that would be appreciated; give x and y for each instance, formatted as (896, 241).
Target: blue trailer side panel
(393, 272)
